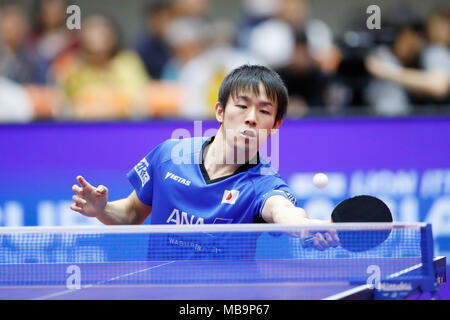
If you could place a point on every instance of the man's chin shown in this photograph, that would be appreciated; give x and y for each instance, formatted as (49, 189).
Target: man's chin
(246, 150)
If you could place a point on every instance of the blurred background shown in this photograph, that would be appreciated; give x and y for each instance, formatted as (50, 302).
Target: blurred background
(166, 58)
(370, 107)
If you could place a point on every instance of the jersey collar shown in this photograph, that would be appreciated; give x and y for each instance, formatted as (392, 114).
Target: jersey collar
(241, 169)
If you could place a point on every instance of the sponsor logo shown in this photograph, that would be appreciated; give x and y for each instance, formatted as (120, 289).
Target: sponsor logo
(185, 244)
(178, 179)
(182, 217)
(142, 170)
(230, 196)
(289, 196)
(402, 286)
(193, 245)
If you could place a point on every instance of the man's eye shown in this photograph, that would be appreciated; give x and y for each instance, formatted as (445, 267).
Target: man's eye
(241, 106)
(265, 112)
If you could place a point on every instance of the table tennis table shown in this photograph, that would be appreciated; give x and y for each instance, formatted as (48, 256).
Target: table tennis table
(115, 286)
(310, 278)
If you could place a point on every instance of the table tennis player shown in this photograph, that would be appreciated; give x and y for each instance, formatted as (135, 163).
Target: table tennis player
(212, 184)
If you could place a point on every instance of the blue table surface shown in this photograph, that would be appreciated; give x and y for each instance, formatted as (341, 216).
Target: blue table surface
(191, 280)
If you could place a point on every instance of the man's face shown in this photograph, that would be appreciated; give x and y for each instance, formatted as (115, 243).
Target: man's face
(248, 120)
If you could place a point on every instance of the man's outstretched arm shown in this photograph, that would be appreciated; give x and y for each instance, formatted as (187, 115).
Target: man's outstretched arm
(93, 202)
(278, 209)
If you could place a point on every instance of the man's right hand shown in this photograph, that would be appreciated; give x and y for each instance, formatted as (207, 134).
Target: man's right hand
(89, 201)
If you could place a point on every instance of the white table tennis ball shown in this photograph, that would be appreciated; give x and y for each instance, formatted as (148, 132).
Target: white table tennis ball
(320, 180)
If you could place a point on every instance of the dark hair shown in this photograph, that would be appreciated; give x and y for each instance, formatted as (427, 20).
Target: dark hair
(248, 78)
(441, 12)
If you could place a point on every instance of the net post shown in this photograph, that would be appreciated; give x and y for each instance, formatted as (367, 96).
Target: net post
(427, 253)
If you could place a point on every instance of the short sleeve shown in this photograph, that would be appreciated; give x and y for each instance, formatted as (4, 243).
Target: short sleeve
(280, 190)
(436, 58)
(141, 176)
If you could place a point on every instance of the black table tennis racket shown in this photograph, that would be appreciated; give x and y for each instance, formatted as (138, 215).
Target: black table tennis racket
(359, 209)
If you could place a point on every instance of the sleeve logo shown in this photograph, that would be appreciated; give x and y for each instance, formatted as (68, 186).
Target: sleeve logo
(291, 198)
(288, 195)
(142, 170)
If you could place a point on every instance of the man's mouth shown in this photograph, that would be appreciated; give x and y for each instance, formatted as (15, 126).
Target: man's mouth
(249, 133)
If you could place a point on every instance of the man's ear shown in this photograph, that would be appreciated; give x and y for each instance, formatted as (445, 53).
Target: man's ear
(276, 126)
(219, 112)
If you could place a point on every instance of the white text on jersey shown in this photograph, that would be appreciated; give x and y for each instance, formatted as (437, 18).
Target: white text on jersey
(176, 218)
(177, 179)
(142, 170)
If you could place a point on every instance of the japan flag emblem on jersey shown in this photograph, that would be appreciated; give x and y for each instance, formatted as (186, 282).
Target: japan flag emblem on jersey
(230, 196)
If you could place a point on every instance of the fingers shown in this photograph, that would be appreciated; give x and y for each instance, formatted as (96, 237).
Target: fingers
(76, 208)
(84, 183)
(319, 242)
(332, 239)
(79, 205)
(77, 189)
(86, 186)
(88, 199)
(101, 189)
(80, 202)
(329, 240)
(325, 240)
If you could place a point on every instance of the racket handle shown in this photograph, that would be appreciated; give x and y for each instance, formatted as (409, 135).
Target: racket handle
(308, 242)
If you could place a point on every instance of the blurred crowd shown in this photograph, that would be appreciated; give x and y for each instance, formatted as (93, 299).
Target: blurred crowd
(174, 67)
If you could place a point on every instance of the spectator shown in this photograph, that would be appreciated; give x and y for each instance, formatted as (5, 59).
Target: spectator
(419, 71)
(305, 82)
(319, 36)
(272, 41)
(187, 38)
(51, 38)
(18, 61)
(15, 103)
(254, 12)
(435, 58)
(201, 76)
(102, 81)
(277, 25)
(193, 9)
(188, 34)
(152, 47)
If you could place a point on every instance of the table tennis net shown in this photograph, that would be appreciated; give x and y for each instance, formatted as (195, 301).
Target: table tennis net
(145, 255)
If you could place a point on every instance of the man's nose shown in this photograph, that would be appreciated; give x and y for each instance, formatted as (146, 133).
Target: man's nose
(250, 118)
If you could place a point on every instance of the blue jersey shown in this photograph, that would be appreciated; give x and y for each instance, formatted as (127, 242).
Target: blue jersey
(173, 180)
